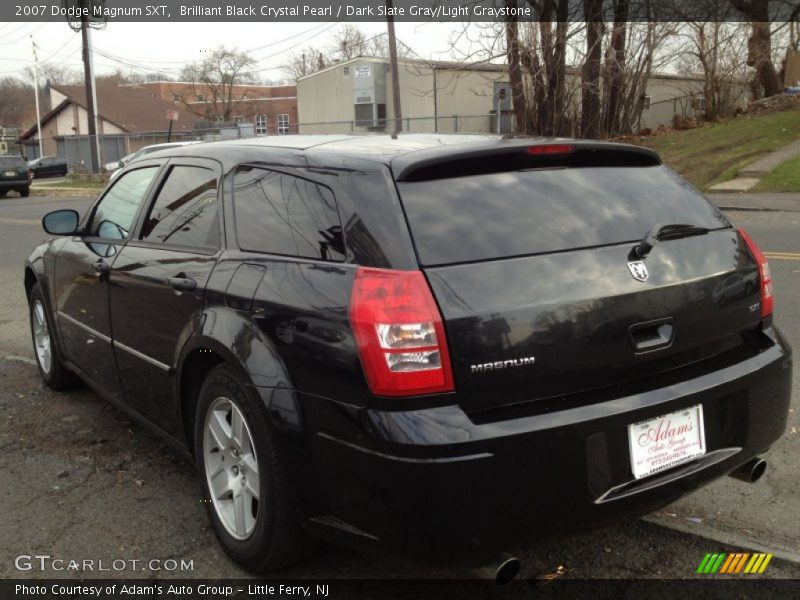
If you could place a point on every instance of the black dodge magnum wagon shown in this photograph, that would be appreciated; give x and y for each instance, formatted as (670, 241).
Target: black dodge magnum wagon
(442, 346)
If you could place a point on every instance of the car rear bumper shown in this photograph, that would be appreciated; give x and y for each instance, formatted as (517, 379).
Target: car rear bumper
(432, 483)
(14, 184)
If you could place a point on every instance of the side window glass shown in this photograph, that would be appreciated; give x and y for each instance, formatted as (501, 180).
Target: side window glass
(282, 214)
(113, 217)
(185, 211)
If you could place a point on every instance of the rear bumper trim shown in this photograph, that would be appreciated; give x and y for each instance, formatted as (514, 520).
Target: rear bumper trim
(406, 459)
(634, 486)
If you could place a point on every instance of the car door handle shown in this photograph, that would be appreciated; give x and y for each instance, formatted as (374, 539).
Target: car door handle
(101, 268)
(182, 284)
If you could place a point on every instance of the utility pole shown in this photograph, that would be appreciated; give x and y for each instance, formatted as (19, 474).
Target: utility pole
(398, 113)
(36, 95)
(91, 96)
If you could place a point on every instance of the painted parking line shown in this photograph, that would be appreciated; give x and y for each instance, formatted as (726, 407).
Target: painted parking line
(20, 222)
(782, 255)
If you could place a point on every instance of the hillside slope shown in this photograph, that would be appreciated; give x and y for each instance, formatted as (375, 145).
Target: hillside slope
(715, 152)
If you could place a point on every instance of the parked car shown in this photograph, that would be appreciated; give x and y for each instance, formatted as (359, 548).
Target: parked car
(115, 166)
(438, 346)
(48, 166)
(14, 175)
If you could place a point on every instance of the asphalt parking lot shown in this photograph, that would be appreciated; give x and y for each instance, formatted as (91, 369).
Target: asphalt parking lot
(78, 480)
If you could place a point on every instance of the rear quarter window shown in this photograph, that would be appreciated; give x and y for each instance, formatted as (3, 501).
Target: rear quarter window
(498, 215)
(277, 213)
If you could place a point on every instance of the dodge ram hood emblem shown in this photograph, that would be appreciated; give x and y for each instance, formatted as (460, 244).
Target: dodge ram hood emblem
(638, 270)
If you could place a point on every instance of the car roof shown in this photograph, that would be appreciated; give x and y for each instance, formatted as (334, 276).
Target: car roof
(402, 152)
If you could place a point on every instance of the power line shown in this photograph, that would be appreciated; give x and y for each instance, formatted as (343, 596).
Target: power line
(291, 37)
(24, 35)
(60, 49)
(300, 43)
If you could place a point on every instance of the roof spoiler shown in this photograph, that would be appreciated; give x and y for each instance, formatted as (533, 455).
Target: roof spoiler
(517, 155)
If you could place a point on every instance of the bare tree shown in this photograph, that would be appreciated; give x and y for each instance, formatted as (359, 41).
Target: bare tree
(717, 50)
(349, 42)
(590, 73)
(120, 77)
(649, 50)
(760, 44)
(302, 63)
(54, 74)
(215, 79)
(614, 69)
(536, 53)
(16, 102)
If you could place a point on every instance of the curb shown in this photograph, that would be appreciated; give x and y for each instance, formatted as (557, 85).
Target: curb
(754, 208)
(65, 191)
(721, 537)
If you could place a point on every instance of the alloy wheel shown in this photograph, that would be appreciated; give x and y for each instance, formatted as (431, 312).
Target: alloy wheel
(231, 468)
(41, 337)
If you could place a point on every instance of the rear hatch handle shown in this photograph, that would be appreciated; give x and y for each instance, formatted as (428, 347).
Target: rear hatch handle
(652, 335)
(665, 231)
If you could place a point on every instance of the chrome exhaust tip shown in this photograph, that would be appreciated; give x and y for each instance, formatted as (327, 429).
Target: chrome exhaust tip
(501, 571)
(751, 471)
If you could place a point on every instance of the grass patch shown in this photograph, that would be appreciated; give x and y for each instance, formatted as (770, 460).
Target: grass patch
(72, 185)
(715, 152)
(784, 178)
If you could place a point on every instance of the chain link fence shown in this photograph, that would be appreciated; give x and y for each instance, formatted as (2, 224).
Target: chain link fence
(77, 149)
(483, 123)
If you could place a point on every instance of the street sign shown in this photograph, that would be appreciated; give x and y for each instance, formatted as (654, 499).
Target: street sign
(172, 115)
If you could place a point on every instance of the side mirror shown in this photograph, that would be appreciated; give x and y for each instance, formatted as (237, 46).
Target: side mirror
(61, 222)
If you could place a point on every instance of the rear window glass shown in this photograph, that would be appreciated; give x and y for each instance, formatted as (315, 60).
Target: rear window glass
(498, 215)
(12, 162)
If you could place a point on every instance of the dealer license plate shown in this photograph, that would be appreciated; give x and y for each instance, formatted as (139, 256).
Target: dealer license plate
(667, 441)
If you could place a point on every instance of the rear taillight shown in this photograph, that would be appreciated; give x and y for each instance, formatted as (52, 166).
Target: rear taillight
(767, 300)
(399, 332)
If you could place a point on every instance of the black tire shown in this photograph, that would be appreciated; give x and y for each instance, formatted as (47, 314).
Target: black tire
(25, 192)
(3, 193)
(277, 540)
(58, 377)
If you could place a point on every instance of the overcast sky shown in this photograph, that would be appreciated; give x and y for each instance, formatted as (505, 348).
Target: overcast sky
(166, 46)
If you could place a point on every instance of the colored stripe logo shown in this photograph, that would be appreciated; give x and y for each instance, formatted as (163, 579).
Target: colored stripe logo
(734, 563)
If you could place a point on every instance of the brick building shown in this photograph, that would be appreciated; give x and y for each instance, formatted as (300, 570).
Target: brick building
(270, 109)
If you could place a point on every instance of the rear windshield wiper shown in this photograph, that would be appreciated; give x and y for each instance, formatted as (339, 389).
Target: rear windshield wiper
(666, 231)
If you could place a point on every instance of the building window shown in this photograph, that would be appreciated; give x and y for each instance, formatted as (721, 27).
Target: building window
(699, 104)
(240, 119)
(177, 98)
(283, 124)
(645, 103)
(261, 124)
(201, 97)
(364, 115)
